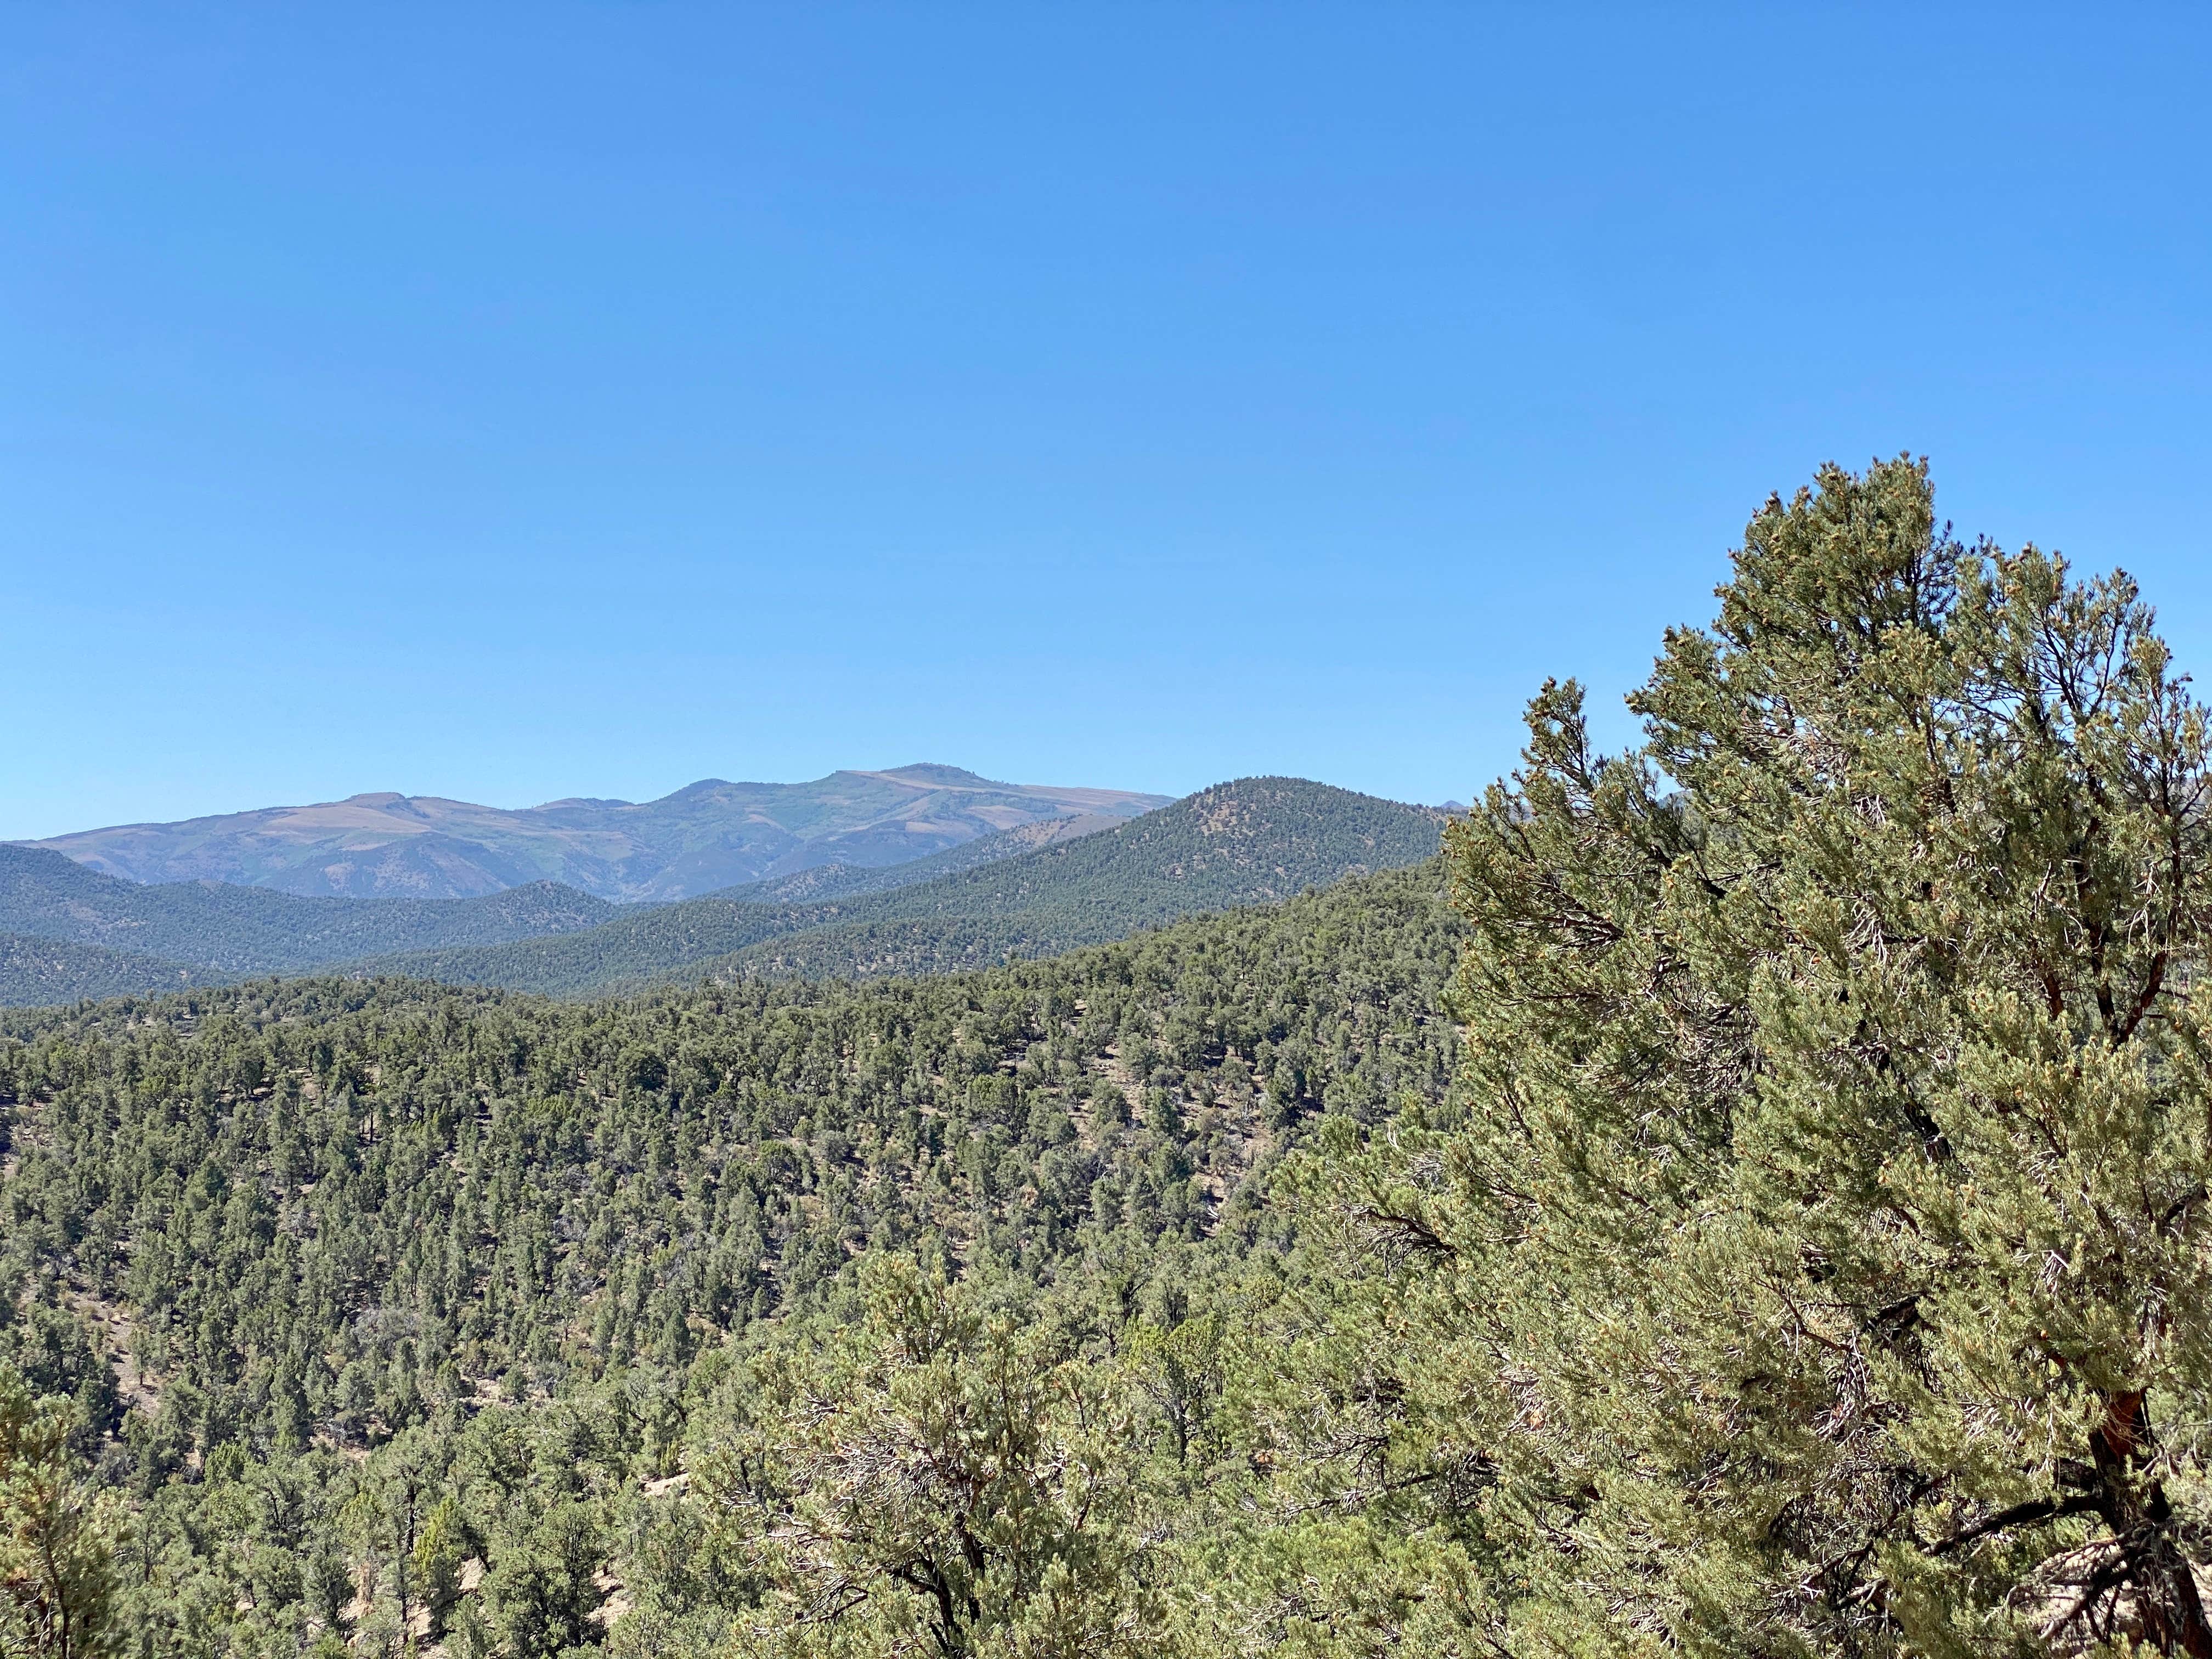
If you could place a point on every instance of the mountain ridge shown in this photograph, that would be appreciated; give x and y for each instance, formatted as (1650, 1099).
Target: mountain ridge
(1036, 889)
(709, 834)
(1249, 841)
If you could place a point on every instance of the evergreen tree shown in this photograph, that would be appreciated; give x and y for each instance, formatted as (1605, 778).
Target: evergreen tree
(56, 1536)
(937, 1476)
(1819, 1263)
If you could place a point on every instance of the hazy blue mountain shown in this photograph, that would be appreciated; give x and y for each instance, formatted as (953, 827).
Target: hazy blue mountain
(710, 836)
(1245, 842)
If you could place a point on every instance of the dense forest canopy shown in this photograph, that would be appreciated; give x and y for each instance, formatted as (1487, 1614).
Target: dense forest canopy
(394, 1215)
(1748, 1197)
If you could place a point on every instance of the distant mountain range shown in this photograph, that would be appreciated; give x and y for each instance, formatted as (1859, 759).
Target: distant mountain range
(705, 838)
(1245, 842)
(67, 932)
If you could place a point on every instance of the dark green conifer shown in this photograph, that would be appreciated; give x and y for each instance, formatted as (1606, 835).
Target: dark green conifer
(1820, 1264)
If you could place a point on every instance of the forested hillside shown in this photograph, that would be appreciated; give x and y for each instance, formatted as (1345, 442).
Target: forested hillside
(222, 930)
(35, 971)
(819, 882)
(495, 1244)
(1245, 842)
(1749, 1196)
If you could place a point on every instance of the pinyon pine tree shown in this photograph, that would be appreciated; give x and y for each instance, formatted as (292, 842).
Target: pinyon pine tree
(938, 1476)
(1818, 1262)
(57, 1537)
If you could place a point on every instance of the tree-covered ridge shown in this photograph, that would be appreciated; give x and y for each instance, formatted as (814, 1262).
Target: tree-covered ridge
(819, 882)
(229, 931)
(1247, 841)
(79, 933)
(1238, 843)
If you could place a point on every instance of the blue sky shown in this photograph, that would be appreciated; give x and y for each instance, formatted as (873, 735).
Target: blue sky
(515, 403)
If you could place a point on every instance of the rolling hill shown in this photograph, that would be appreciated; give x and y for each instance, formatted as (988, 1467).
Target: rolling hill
(1245, 842)
(710, 836)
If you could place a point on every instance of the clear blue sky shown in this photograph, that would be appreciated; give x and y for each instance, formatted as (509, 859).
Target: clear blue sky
(508, 404)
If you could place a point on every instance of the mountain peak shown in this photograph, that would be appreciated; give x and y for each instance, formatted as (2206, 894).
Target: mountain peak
(937, 774)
